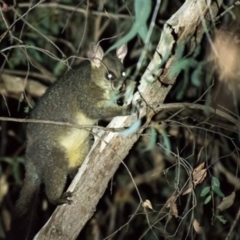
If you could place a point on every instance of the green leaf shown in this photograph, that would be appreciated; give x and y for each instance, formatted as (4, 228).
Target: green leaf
(131, 34)
(205, 191)
(164, 5)
(21, 160)
(180, 89)
(18, 57)
(142, 12)
(215, 182)
(217, 191)
(142, 32)
(8, 160)
(27, 109)
(152, 142)
(166, 142)
(208, 199)
(132, 129)
(34, 52)
(59, 69)
(196, 77)
(221, 219)
(184, 64)
(16, 169)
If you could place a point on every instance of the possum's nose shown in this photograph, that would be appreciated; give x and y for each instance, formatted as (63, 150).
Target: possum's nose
(120, 87)
(123, 88)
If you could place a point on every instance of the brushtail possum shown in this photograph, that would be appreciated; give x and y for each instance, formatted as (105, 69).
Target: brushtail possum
(82, 96)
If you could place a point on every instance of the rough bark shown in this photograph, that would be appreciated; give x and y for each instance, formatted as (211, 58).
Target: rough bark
(184, 29)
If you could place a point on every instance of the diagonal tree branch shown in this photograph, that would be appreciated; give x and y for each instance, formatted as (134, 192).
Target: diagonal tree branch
(183, 29)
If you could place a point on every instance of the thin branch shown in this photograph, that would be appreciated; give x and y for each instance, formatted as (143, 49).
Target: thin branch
(31, 74)
(79, 10)
(204, 108)
(233, 224)
(165, 106)
(22, 120)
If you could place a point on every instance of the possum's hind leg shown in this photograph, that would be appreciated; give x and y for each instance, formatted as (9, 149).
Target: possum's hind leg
(55, 177)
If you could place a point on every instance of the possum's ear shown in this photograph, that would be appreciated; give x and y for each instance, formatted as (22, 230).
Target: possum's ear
(95, 54)
(122, 52)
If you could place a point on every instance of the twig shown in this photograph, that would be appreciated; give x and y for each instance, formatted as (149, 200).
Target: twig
(79, 10)
(233, 224)
(23, 120)
(183, 106)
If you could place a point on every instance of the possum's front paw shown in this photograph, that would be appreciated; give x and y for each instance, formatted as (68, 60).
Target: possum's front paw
(132, 108)
(64, 199)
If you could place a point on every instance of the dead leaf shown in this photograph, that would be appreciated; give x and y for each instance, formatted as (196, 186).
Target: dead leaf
(172, 205)
(199, 154)
(198, 175)
(5, 7)
(198, 168)
(147, 204)
(174, 210)
(188, 189)
(227, 202)
(171, 199)
(3, 187)
(196, 226)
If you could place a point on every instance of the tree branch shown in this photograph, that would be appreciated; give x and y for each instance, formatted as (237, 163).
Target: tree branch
(14, 86)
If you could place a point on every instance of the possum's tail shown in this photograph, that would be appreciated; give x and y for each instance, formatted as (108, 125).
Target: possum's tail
(23, 225)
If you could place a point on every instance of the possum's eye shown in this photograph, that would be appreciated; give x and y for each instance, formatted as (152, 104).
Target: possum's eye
(110, 76)
(123, 74)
